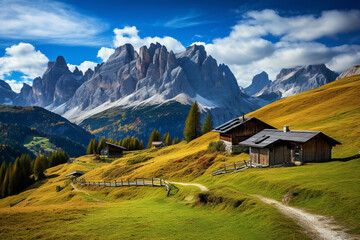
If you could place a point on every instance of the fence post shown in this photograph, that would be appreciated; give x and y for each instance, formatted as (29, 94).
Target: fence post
(121, 182)
(235, 166)
(160, 182)
(224, 168)
(152, 182)
(128, 183)
(143, 181)
(115, 183)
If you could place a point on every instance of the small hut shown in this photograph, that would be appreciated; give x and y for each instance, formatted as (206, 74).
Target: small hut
(274, 147)
(158, 144)
(112, 150)
(239, 129)
(74, 175)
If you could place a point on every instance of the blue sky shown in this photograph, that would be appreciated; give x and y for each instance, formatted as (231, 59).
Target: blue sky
(248, 36)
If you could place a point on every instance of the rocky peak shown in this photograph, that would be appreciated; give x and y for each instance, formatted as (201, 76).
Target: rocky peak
(355, 70)
(142, 62)
(77, 72)
(153, 48)
(171, 61)
(259, 82)
(5, 85)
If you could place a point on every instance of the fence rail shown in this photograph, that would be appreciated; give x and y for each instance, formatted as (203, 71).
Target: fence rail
(148, 182)
(235, 167)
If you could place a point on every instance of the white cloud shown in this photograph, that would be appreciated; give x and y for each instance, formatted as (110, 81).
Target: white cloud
(23, 58)
(17, 85)
(84, 66)
(104, 53)
(48, 21)
(248, 51)
(303, 27)
(130, 35)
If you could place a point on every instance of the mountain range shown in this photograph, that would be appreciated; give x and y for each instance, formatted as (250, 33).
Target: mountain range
(290, 81)
(132, 93)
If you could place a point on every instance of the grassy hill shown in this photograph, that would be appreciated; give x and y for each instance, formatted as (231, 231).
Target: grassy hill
(18, 139)
(44, 121)
(333, 109)
(228, 211)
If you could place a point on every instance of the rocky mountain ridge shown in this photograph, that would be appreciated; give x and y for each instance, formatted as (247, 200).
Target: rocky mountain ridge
(292, 81)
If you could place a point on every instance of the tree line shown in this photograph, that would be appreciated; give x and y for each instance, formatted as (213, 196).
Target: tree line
(130, 143)
(16, 176)
(193, 129)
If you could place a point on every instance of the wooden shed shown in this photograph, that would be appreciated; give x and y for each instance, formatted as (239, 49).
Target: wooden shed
(158, 144)
(274, 147)
(112, 150)
(239, 129)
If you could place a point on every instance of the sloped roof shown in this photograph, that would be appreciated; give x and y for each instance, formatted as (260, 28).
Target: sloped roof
(115, 145)
(270, 136)
(233, 123)
(75, 173)
(157, 143)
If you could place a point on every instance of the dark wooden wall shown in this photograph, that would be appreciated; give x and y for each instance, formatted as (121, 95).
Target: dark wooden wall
(259, 155)
(316, 150)
(114, 151)
(244, 131)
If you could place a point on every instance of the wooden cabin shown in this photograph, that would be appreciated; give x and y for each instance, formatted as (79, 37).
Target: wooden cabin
(74, 175)
(112, 150)
(239, 129)
(158, 144)
(275, 147)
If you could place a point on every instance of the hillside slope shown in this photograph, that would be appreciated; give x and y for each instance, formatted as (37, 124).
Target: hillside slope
(44, 121)
(333, 109)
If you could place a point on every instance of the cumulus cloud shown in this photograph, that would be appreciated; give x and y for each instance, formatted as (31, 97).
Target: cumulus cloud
(104, 53)
(131, 35)
(84, 66)
(294, 41)
(23, 58)
(304, 27)
(48, 21)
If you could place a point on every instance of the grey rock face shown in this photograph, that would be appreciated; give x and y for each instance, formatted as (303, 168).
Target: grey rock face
(259, 81)
(292, 81)
(7, 95)
(160, 75)
(355, 70)
(56, 86)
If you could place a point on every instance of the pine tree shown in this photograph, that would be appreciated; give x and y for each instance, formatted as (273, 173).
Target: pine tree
(136, 144)
(168, 139)
(5, 184)
(94, 146)
(192, 128)
(2, 172)
(141, 145)
(3, 169)
(208, 125)
(102, 145)
(89, 149)
(39, 167)
(154, 136)
(175, 141)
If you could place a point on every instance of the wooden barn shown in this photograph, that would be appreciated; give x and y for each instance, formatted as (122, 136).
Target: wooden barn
(158, 144)
(112, 150)
(239, 129)
(274, 147)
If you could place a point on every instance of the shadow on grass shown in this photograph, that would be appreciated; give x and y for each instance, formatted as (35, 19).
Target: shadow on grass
(346, 158)
(173, 190)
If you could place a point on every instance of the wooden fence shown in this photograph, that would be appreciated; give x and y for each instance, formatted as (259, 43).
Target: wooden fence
(235, 167)
(148, 182)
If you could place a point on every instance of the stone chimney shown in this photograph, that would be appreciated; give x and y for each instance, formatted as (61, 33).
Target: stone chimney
(286, 128)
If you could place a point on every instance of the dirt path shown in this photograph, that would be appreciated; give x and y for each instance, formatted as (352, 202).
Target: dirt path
(82, 191)
(202, 187)
(315, 226)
